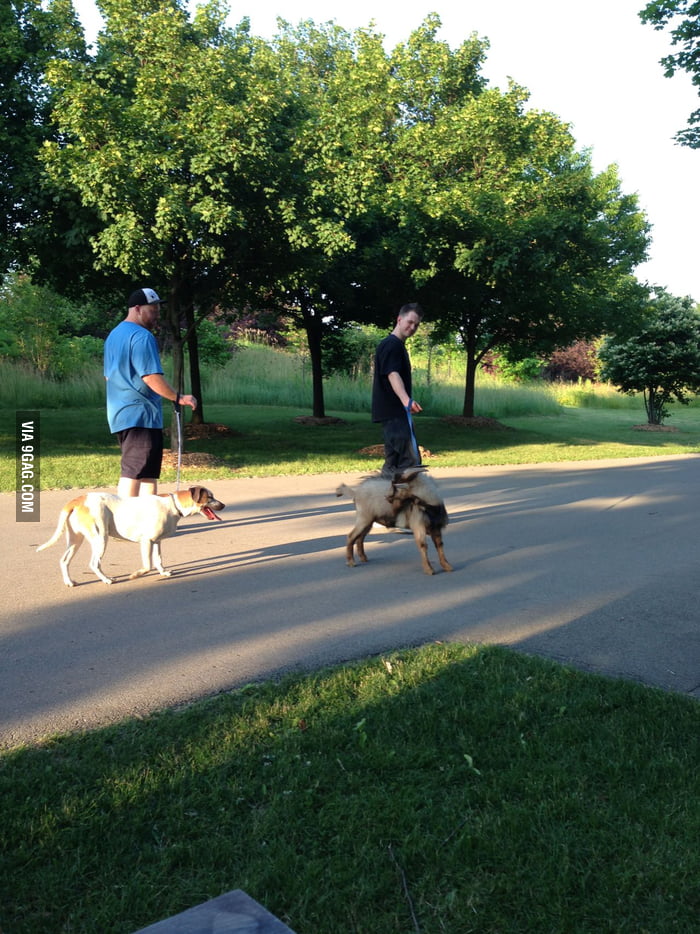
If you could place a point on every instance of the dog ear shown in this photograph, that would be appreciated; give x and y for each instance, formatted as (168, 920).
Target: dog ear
(198, 494)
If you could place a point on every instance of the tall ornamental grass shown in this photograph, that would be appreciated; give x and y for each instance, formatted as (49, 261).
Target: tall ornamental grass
(259, 375)
(22, 387)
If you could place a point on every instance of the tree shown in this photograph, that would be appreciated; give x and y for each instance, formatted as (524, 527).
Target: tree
(662, 360)
(30, 35)
(685, 34)
(335, 137)
(505, 230)
(165, 133)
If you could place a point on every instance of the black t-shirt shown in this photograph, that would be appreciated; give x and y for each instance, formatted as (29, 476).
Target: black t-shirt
(391, 357)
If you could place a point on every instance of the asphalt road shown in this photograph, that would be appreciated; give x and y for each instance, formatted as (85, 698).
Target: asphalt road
(594, 564)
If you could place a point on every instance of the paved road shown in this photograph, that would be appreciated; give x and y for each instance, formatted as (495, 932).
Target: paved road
(594, 564)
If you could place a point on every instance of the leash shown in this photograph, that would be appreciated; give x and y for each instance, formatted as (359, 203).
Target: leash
(178, 422)
(416, 449)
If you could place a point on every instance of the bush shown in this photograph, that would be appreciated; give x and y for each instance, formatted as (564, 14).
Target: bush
(577, 363)
(662, 361)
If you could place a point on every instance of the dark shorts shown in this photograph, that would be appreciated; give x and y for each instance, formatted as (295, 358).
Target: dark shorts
(142, 453)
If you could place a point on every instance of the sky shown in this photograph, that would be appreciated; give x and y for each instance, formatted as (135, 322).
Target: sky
(593, 64)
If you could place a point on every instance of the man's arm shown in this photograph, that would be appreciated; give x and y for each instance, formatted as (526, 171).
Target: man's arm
(158, 383)
(397, 384)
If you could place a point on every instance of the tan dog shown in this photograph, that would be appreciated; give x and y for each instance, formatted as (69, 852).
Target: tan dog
(410, 500)
(98, 517)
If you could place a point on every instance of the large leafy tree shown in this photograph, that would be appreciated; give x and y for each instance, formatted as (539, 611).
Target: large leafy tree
(509, 236)
(165, 133)
(428, 78)
(335, 137)
(662, 360)
(31, 33)
(683, 16)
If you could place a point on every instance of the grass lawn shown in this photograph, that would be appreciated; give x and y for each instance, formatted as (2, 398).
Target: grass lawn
(448, 788)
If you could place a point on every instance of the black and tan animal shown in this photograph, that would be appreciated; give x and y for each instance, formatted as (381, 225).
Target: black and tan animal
(97, 517)
(410, 500)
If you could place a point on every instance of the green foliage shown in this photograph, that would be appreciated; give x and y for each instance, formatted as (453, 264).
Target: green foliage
(350, 351)
(215, 347)
(158, 126)
(46, 331)
(30, 34)
(662, 360)
(33, 318)
(503, 225)
(684, 18)
(517, 371)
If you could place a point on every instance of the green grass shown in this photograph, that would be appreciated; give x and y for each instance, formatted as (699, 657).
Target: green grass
(451, 788)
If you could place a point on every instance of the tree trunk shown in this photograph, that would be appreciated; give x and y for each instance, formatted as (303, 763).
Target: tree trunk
(470, 383)
(474, 357)
(178, 347)
(313, 325)
(173, 311)
(654, 403)
(195, 371)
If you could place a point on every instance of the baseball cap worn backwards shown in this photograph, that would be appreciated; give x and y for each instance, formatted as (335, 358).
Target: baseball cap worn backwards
(143, 297)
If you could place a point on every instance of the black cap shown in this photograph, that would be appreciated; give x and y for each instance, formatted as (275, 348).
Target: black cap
(144, 297)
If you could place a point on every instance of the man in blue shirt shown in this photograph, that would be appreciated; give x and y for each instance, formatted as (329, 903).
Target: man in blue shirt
(135, 389)
(392, 404)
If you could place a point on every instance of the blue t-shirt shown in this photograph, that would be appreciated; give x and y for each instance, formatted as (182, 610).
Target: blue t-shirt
(131, 352)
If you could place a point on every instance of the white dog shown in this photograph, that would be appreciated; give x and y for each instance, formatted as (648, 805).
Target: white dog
(98, 517)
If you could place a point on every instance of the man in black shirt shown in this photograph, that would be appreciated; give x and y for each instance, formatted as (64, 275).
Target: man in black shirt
(392, 404)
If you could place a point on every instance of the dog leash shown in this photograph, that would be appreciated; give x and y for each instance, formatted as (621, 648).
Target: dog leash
(414, 442)
(178, 422)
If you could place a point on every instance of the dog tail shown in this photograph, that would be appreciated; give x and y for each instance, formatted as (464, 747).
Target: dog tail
(62, 520)
(345, 490)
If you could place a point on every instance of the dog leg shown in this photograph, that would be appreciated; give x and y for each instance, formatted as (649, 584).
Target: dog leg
(150, 559)
(437, 541)
(157, 561)
(74, 542)
(146, 545)
(99, 546)
(419, 536)
(357, 537)
(360, 545)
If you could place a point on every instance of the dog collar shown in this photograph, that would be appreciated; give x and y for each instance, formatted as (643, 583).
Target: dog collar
(176, 504)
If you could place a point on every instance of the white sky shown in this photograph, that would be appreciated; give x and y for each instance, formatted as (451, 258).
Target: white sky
(593, 64)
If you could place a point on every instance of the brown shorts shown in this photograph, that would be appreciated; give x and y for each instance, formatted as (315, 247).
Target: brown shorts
(142, 453)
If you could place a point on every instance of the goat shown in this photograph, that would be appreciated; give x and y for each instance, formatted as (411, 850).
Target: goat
(410, 500)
